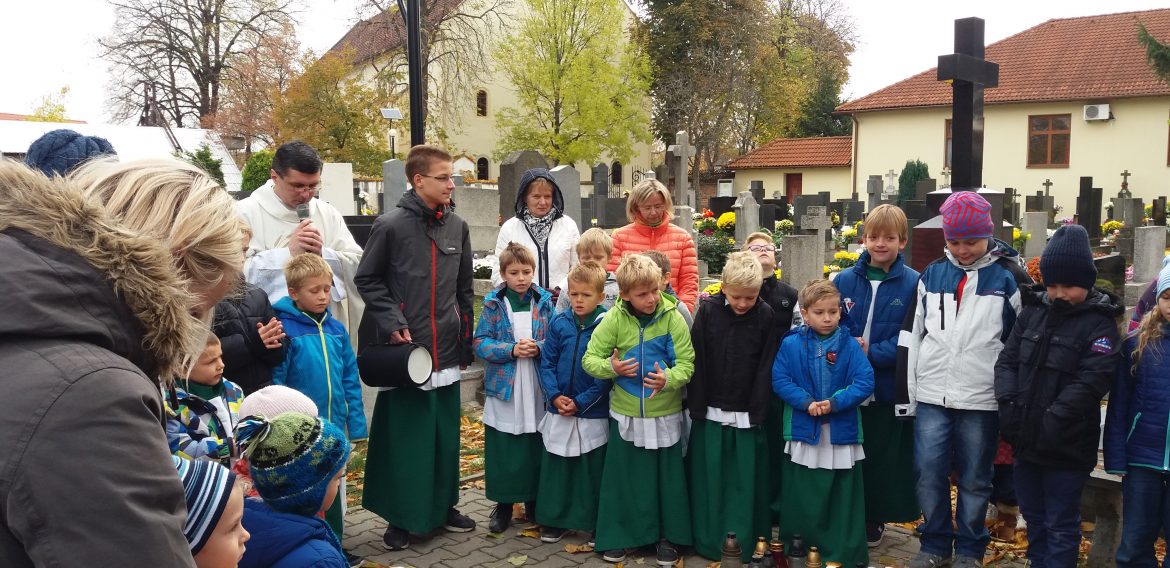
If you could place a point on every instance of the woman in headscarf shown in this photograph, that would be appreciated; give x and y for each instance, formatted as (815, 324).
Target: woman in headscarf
(541, 226)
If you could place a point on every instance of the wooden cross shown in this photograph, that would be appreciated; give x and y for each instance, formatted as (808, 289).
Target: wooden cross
(683, 151)
(968, 74)
(1047, 185)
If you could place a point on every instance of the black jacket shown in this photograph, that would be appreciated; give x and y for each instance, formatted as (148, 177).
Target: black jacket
(1056, 366)
(415, 274)
(246, 361)
(733, 359)
(782, 298)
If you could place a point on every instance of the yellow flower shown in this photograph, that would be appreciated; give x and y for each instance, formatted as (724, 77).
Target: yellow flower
(778, 271)
(731, 240)
(849, 232)
(1016, 234)
(826, 269)
(713, 288)
(834, 268)
(726, 221)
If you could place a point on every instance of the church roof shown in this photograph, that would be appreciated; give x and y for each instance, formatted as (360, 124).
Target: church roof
(1066, 59)
(385, 32)
(825, 151)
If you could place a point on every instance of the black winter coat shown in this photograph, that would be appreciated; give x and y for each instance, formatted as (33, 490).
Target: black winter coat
(1056, 366)
(733, 359)
(415, 274)
(782, 299)
(246, 361)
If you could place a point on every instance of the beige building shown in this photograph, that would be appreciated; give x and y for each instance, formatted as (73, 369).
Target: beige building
(469, 124)
(1075, 98)
(795, 166)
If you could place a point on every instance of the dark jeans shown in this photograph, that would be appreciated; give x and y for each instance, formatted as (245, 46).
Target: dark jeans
(966, 439)
(1145, 510)
(1050, 500)
(1003, 485)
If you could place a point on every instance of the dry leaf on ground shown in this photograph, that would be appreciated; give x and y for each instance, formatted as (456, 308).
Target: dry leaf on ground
(578, 548)
(518, 560)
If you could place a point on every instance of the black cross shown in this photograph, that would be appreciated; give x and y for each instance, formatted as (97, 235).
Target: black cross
(1047, 185)
(969, 74)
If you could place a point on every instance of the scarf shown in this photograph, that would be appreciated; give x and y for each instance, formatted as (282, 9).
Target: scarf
(539, 227)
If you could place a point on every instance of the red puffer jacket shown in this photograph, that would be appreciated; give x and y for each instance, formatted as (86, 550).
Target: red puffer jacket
(669, 239)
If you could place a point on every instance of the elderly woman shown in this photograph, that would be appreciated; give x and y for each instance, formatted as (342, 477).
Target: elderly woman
(109, 277)
(540, 225)
(649, 209)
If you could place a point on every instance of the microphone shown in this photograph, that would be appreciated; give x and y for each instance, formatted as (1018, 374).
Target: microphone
(303, 211)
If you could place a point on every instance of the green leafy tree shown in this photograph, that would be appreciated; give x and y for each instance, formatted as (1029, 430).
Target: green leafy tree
(333, 109)
(52, 107)
(914, 171)
(206, 161)
(256, 171)
(580, 86)
(816, 115)
(1157, 53)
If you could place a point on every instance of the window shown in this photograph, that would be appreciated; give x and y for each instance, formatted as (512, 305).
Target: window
(481, 103)
(1048, 140)
(948, 136)
(481, 169)
(615, 173)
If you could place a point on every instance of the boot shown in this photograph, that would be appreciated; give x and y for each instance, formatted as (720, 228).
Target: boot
(500, 518)
(1005, 522)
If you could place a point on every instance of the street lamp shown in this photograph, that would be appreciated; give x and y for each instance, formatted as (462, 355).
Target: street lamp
(392, 114)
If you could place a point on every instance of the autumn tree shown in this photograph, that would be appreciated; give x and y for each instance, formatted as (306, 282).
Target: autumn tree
(580, 86)
(252, 85)
(335, 111)
(173, 55)
(52, 107)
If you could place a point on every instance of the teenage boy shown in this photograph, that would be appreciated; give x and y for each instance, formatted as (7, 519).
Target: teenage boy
(416, 280)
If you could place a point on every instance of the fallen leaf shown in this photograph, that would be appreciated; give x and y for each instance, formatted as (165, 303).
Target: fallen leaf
(494, 535)
(680, 563)
(578, 548)
(639, 561)
(518, 560)
(713, 565)
(530, 533)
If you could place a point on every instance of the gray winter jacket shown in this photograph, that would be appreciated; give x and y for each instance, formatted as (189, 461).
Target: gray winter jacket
(90, 314)
(416, 274)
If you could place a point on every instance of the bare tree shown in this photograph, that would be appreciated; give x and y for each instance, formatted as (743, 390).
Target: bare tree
(252, 85)
(170, 56)
(457, 43)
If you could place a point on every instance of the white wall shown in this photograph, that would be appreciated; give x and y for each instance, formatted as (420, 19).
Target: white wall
(813, 180)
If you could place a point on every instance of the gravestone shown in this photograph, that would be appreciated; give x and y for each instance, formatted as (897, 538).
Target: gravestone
(969, 74)
(1089, 208)
(873, 192)
(850, 211)
(569, 180)
(757, 188)
(720, 205)
(1158, 212)
(394, 183)
(684, 217)
(781, 204)
(683, 151)
(802, 259)
(1111, 268)
(613, 213)
(1148, 251)
(1041, 202)
(1129, 210)
(1011, 205)
(934, 201)
(478, 207)
(600, 173)
(337, 187)
(801, 203)
(1036, 224)
(890, 191)
(816, 221)
(360, 226)
(511, 170)
(916, 209)
(769, 214)
(725, 188)
(924, 187)
(1123, 243)
(662, 172)
(747, 216)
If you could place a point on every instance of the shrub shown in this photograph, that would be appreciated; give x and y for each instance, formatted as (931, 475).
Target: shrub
(714, 250)
(256, 170)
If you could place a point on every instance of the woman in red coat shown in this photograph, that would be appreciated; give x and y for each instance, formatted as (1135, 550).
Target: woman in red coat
(649, 209)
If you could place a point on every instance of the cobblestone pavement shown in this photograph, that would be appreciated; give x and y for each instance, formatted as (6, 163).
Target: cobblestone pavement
(363, 536)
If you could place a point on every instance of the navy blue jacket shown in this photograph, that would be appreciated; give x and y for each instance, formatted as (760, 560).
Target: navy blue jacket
(733, 359)
(561, 373)
(1137, 423)
(809, 369)
(281, 540)
(894, 296)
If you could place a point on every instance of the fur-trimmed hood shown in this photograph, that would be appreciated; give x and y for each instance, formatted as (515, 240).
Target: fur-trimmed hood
(70, 273)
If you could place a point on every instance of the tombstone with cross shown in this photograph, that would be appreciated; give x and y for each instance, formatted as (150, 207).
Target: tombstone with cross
(1125, 185)
(891, 186)
(946, 174)
(683, 151)
(816, 221)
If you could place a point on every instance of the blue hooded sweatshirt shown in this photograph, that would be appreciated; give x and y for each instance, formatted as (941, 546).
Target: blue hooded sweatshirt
(283, 540)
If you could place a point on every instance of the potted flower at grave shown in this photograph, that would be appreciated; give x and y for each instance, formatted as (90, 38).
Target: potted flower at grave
(1019, 238)
(785, 227)
(726, 222)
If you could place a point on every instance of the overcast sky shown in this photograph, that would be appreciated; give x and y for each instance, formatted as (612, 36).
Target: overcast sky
(48, 44)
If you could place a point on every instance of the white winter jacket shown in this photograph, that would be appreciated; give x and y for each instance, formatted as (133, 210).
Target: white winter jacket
(562, 249)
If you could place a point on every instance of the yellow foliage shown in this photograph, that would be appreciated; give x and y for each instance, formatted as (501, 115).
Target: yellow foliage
(726, 221)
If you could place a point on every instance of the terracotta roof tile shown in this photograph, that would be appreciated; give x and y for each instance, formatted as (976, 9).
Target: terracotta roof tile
(12, 116)
(1088, 58)
(385, 32)
(827, 151)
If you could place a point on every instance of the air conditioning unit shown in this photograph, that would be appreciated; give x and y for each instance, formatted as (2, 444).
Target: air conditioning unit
(1097, 112)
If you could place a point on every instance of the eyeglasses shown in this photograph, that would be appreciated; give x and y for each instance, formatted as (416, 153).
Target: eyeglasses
(302, 186)
(762, 248)
(441, 179)
(651, 208)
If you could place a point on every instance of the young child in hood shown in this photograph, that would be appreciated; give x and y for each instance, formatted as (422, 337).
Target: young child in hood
(202, 410)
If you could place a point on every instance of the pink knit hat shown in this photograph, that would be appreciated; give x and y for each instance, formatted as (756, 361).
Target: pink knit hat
(274, 400)
(966, 215)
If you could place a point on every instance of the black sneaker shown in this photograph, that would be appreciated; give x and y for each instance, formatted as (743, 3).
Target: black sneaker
(396, 539)
(500, 518)
(667, 553)
(614, 556)
(874, 533)
(353, 560)
(552, 534)
(458, 522)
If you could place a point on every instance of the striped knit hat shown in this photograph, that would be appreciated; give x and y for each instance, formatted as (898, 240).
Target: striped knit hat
(206, 488)
(292, 459)
(966, 215)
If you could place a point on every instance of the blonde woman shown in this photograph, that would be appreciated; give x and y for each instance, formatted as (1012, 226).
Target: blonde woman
(110, 275)
(649, 209)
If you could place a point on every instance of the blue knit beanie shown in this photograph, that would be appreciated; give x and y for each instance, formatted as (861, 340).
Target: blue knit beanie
(1068, 259)
(292, 459)
(966, 215)
(1163, 278)
(206, 488)
(59, 151)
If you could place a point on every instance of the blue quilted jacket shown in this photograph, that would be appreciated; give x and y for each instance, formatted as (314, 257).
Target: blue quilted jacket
(809, 369)
(494, 337)
(561, 373)
(1137, 422)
